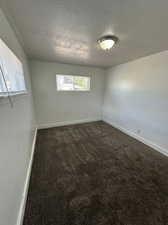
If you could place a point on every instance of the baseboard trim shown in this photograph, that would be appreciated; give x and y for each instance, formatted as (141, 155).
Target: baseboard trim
(26, 185)
(139, 138)
(64, 123)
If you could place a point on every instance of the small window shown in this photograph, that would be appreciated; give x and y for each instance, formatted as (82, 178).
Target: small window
(72, 83)
(11, 72)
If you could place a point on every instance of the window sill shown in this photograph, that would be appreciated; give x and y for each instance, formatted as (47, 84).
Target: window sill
(73, 90)
(13, 94)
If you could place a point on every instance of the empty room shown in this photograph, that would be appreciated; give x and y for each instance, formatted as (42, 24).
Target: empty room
(83, 112)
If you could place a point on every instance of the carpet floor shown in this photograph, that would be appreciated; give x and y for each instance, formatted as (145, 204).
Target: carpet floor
(93, 174)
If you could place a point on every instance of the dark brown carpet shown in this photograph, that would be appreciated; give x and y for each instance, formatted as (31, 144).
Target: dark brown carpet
(93, 174)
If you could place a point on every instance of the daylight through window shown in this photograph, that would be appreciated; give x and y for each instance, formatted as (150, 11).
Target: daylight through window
(72, 83)
(11, 72)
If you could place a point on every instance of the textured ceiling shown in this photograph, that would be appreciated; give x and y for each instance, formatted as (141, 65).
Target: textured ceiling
(66, 30)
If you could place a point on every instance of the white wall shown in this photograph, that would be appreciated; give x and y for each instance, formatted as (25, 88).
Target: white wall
(136, 98)
(16, 136)
(55, 107)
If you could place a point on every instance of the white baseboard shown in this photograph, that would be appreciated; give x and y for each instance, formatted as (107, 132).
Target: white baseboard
(130, 133)
(26, 185)
(64, 123)
(139, 138)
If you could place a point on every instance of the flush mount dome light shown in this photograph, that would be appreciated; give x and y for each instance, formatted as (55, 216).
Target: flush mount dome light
(107, 42)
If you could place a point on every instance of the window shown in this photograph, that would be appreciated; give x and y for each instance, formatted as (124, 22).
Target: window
(72, 83)
(11, 72)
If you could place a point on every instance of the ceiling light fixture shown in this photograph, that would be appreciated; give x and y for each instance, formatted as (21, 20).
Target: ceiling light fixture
(107, 42)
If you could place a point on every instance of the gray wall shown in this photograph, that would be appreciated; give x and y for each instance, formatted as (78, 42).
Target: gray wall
(136, 98)
(56, 107)
(16, 136)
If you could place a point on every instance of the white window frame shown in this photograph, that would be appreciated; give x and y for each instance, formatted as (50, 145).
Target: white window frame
(75, 90)
(7, 92)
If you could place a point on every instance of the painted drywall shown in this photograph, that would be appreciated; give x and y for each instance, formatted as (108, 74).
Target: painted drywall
(17, 126)
(59, 107)
(136, 98)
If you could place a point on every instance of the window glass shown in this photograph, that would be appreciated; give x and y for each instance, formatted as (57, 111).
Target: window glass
(72, 83)
(11, 72)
